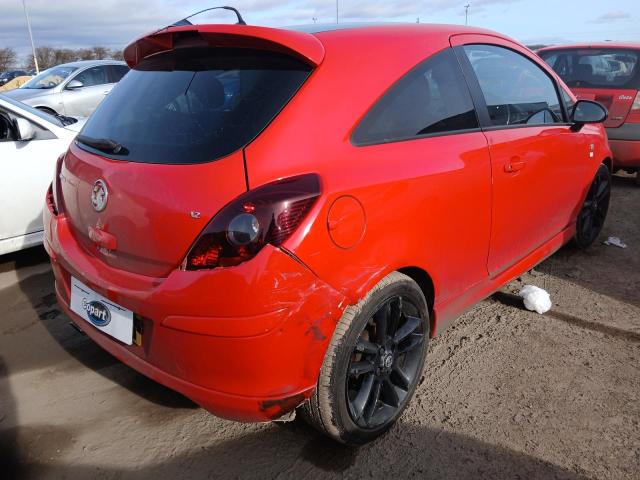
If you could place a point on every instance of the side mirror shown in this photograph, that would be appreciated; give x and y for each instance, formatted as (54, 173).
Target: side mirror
(74, 85)
(586, 111)
(25, 128)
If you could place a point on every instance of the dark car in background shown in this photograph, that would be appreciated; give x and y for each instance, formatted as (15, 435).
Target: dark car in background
(6, 77)
(608, 73)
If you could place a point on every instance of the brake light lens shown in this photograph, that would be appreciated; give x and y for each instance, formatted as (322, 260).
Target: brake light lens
(635, 107)
(56, 188)
(268, 214)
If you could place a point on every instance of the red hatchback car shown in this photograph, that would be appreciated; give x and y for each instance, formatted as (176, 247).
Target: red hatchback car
(610, 74)
(264, 218)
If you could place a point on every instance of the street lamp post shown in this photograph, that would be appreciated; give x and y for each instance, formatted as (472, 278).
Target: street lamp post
(466, 14)
(33, 46)
(337, 16)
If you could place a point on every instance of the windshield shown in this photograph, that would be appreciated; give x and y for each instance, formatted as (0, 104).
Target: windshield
(50, 78)
(33, 111)
(595, 67)
(192, 105)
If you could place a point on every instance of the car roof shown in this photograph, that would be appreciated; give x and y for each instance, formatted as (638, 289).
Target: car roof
(90, 63)
(389, 28)
(625, 45)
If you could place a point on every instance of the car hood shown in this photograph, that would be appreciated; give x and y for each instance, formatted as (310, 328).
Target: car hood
(23, 94)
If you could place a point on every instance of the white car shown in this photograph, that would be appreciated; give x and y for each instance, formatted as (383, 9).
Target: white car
(30, 143)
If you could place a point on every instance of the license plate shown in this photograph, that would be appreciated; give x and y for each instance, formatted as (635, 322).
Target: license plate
(101, 312)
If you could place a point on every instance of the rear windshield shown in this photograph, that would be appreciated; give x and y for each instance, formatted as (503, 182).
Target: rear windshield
(595, 68)
(192, 105)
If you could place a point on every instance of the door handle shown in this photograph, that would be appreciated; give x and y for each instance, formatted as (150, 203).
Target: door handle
(514, 165)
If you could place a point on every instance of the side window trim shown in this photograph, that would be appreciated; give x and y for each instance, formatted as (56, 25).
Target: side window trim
(424, 135)
(478, 97)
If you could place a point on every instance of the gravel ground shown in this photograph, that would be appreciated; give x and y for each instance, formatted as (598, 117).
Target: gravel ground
(506, 393)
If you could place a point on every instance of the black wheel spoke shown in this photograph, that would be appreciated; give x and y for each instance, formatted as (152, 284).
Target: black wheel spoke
(381, 319)
(363, 346)
(601, 189)
(362, 397)
(588, 223)
(412, 342)
(403, 380)
(359, 368)
(406, 329)
(372, 402)
(389, 393)
(395, 315)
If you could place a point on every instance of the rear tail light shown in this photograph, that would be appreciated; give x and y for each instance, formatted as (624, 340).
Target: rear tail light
(636, 103)
(268, 214)
(56, 188)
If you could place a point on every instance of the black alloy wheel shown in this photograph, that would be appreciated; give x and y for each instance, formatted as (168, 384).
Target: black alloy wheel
(373, 363)
(385, 362)
(594, 210)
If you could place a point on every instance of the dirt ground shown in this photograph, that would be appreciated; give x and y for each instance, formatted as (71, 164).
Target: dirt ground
(506, 393)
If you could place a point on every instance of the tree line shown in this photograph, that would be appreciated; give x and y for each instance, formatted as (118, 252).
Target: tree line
(49, 56)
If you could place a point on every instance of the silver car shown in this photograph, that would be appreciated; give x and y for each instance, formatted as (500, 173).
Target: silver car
(73, 89)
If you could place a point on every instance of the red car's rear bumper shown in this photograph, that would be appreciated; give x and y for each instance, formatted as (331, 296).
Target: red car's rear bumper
(625, 144)
(626, 153)
(245, 342)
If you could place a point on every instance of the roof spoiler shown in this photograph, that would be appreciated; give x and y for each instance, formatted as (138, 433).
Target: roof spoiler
(183, 34)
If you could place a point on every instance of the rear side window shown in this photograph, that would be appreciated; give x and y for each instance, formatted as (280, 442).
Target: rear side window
(192, 105)
(431, 99)
(94, 76)
(596, 68)
(117, 72)
(515, 89)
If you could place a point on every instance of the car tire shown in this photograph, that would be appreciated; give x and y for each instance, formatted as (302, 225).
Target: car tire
(638, 177)
(370, 373)
(594, 210)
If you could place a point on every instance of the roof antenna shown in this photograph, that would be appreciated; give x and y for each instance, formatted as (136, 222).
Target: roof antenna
(185, 21)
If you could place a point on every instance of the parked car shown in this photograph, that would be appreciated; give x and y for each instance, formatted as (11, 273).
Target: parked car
(30, 142)
(6, 77)
(610, 74)
(73, 89)
(293, 237)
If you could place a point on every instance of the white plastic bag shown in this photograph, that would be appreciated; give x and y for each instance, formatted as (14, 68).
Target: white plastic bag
(615, 241)
(535, 299)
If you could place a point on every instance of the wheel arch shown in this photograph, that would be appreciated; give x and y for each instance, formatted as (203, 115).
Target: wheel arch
(425, 282)
(609, 163)
(46, 108)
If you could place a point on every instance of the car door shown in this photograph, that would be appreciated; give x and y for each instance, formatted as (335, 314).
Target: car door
(538, 163)
(421, 146)
(82, 101)
(27, 169)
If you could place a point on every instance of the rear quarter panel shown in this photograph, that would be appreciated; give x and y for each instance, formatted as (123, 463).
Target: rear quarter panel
(416, 194)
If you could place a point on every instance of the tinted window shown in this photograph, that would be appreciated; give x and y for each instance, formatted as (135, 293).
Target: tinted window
(593, 67)
(94, 76)
(432, 98)
(50, 78)
(194, 105)
(515, 89)
(117, 72)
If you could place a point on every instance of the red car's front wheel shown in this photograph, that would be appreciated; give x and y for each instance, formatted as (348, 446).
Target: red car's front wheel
(594, 210)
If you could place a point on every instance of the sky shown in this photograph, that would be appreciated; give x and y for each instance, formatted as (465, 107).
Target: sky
(114, 23)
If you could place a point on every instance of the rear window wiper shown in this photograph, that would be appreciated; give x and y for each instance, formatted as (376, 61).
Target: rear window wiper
(105, 145)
